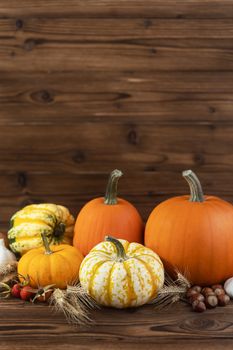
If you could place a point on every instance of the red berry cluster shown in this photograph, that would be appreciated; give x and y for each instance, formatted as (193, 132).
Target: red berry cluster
(23, 292)
(21, 288)
(203, 298)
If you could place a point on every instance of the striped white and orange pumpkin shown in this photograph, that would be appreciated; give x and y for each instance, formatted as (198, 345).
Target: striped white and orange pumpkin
(121, 274)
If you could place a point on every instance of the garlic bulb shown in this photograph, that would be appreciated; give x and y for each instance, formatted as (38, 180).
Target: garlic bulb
(6, 256)
(228, 286)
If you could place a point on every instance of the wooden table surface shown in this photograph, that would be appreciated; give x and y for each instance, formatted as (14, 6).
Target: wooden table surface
(27, 326)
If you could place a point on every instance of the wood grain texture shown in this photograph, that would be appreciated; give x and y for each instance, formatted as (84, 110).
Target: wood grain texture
(121, 8)
(61, 164)
(125, 97)
(49, 57)
(26, 326)
(49, 45)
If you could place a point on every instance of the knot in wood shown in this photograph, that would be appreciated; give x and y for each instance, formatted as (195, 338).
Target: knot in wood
(19, 23)
(133, 137)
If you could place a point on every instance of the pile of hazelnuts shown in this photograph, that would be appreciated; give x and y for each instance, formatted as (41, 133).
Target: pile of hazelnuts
(208, 297)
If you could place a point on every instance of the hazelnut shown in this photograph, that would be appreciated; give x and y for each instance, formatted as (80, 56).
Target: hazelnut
(198, 306)
(207, 291)
(216, 286)
(219, 291)
(197, 288)
(197, 296)
(223, 299)
(211, 301)
(191, 292)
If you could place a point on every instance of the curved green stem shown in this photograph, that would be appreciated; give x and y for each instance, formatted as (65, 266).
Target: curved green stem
(196, 193)
(111, 190)
(119, 247)
(48, 251)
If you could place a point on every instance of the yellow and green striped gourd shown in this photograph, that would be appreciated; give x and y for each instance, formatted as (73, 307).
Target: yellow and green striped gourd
(29, 223)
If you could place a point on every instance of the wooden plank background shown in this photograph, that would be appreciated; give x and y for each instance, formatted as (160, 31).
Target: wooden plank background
(87, 86)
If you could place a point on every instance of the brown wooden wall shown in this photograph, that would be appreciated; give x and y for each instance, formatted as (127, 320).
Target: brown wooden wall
(87, 86)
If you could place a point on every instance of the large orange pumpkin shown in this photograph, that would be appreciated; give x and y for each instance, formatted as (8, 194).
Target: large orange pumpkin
(193, 234)
(107, 215)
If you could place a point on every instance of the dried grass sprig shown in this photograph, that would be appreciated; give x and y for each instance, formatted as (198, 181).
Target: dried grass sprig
(172, 291)
(8, 268)
(8, 271)
(77, 292)
(75, 304)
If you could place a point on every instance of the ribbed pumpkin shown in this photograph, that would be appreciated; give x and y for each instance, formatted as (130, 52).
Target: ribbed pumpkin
(194, 234)
(28, 223)
(121, 274)
(58, 264)
(114, 215)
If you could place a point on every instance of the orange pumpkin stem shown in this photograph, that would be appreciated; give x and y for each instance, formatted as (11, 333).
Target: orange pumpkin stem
(48, 251)
(121, 256)
(111, 190)
(196, 193)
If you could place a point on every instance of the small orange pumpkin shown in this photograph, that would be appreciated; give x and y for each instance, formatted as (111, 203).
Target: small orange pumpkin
(58, 265)
(110, 215)
(193, 234)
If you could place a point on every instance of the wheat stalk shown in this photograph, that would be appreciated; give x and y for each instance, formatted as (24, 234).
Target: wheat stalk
(75, 303)
(172, 291)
